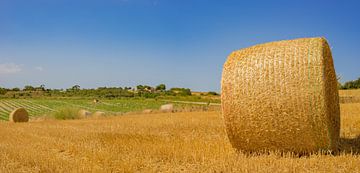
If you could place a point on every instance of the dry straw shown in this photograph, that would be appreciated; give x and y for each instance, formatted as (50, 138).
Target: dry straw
(19, 115)
(98, 114)
(282, 96)
(82, 113)
(167, 108)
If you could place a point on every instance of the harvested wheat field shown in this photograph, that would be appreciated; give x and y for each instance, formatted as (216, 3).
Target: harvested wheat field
(165, 142)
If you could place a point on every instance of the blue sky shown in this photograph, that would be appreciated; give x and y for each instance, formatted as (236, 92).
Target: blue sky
(181, 43)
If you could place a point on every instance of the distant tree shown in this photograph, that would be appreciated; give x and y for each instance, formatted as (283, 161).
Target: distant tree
(29, 88)
(3, 91)
(148, 88)
(15, 89)
(140, 87)
(75, 88)
(40, 88)
(161, 87)
(143, 88)
(212, 93)
(150, 95)
(354, 84)
(186, 92)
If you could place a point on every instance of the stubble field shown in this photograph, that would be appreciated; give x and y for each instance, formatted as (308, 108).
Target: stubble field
(166, 142)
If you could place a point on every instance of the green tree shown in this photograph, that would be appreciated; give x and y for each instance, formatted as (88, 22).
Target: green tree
(15, 89)
(40, 88)
(354, 84)
(140, 87)
(75, 88)
(212, 93)
(3, 91)
(161, 87)
(29, 88)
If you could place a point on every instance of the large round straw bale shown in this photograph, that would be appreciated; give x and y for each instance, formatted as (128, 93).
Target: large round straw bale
(281, 96)
(19, 115)
(84, 113)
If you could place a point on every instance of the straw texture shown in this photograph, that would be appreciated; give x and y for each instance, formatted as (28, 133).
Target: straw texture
(282, 96)
(167, 108)
(19, 115)
(82, 113)
(98, 114)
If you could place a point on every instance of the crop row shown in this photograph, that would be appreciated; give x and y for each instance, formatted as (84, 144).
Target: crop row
(6, 106)
(38, 107)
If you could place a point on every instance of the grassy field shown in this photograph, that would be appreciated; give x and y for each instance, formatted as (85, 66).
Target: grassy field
(40, 107)
(177, 142)
(45, 106)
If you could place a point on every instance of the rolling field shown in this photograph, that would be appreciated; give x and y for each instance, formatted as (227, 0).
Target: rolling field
(8, 105)
(158, 142)
(43, 107)
(168, 142)
(39, 107)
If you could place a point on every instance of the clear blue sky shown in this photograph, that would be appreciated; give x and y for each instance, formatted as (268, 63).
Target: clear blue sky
(181, 43)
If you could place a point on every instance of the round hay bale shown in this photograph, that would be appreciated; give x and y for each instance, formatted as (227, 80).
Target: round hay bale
(281, 96)
(167, 108)
(19, 115)
(98, 114)
(84, 113)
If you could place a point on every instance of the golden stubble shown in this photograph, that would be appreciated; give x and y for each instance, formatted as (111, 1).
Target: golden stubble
(168, 142)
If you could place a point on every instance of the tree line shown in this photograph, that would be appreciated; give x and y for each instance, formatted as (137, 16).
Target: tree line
(100, 92)
(354, 84)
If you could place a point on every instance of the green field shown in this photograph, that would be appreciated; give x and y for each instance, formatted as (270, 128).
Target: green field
(45, 106)
(39, 107)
